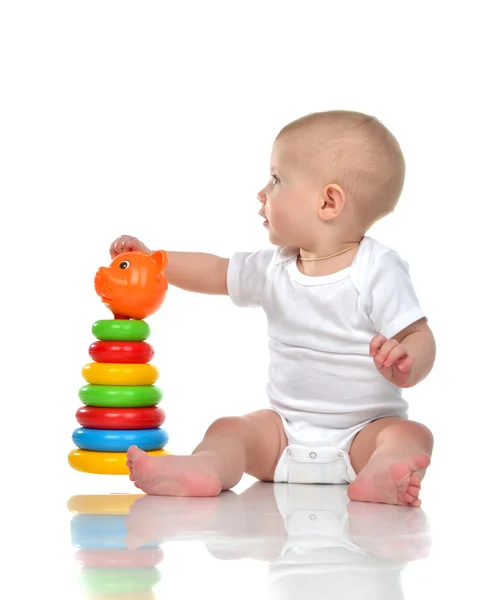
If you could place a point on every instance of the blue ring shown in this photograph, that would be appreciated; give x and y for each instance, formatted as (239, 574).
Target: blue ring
(96, 532)
(119, 440)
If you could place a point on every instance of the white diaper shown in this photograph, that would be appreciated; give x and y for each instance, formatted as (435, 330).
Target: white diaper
(323, 464)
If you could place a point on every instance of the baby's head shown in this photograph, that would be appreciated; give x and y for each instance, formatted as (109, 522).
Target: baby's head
(332, 174)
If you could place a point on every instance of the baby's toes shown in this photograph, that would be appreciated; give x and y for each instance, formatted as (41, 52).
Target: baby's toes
(410, 498)
(414, 490)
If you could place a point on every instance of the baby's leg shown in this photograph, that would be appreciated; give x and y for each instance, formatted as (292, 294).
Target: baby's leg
(390, 456)
(232, 446)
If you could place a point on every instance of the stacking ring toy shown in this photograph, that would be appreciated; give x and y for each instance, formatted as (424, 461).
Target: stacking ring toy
(122, 330)
(120, 418)
(120, 557)
(119, 440)
(101, 532)
(121, 352)
(119, 374)
(103, 504)
(120, 396)
(140, 595)
(103, 463)
(118, 581)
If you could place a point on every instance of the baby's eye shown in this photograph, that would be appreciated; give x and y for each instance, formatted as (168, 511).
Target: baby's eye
(274, 179)
(125, 264)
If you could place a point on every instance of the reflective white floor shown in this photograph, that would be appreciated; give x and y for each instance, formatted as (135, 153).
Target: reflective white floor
(259, 541)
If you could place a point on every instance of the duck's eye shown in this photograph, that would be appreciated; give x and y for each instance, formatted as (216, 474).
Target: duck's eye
(125, 264)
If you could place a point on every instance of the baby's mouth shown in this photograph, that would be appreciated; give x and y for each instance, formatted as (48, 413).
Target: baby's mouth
(265, 222)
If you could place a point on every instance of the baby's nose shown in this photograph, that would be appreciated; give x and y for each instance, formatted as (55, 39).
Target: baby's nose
(262, 197)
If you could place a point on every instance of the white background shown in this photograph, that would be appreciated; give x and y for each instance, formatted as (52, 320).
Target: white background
(156, 119)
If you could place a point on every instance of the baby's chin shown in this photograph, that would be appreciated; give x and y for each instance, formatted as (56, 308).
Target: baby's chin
(282, 241)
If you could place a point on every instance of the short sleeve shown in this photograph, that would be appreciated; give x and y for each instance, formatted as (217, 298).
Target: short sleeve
(247, 275)
(388, 296)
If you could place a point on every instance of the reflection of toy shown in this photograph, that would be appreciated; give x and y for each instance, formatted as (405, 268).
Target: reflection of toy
(134, 286)
(121, 397)
(109, 568)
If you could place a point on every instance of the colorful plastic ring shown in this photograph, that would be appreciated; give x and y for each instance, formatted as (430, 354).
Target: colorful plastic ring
(118, 581)
(119, 374)
(119, 440)
(102, 504)
(101, 532)
(121, 352)
(120, 557)
(96, 417)
(103, 463)
(121, 330)
(120, 396)
(139, 595)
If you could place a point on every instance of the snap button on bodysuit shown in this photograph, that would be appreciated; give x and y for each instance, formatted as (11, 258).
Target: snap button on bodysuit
(312, 454)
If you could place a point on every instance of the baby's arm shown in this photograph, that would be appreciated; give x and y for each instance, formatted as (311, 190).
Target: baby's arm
(198, 272)
(419, 341)
(408, 357)
(192, 271)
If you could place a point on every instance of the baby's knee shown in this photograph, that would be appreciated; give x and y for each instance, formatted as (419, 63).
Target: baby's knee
(413, 429)
(226, 424)
(423, 431)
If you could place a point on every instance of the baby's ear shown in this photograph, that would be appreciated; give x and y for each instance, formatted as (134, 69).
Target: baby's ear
(160, 257)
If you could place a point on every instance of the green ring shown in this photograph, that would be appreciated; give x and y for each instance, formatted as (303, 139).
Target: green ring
(120, 396)
(121, 330)
(113, 580)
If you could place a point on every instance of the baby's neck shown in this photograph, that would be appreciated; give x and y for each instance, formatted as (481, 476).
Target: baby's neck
(317, 268)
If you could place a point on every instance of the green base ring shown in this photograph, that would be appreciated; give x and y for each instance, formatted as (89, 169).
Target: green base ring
(120, 396)
(121, 330)
(112, 580)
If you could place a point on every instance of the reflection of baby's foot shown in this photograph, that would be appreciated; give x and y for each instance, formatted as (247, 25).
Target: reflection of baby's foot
(395, 533)
(388, 482)
(172, 475)
(160, 519)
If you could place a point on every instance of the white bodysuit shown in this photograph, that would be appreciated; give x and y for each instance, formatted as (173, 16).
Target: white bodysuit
(322, 380)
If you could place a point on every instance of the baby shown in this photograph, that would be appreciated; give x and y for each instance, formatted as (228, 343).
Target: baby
(346, 330)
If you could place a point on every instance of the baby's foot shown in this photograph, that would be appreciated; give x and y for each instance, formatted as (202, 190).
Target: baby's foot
(390, 482)
(172, 475)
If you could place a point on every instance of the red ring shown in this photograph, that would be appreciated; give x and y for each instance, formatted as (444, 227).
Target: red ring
(121, 352)
(123, 557)
(96, 417)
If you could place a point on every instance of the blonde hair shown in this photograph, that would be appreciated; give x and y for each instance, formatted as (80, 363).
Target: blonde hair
(357, 152)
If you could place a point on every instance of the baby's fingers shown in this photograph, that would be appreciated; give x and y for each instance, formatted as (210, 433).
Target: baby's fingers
(395, 355)
(126, 243)
(407, 364)
(376, 343)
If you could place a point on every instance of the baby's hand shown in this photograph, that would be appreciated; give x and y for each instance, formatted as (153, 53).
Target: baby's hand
(126, 243)
(392, 360)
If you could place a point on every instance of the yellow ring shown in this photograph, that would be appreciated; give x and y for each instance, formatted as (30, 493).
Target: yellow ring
(105, 504)
(103, 463)
(120, 374)
(140, 595)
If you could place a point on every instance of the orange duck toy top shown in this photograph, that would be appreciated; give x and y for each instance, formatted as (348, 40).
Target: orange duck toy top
(134, 286)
